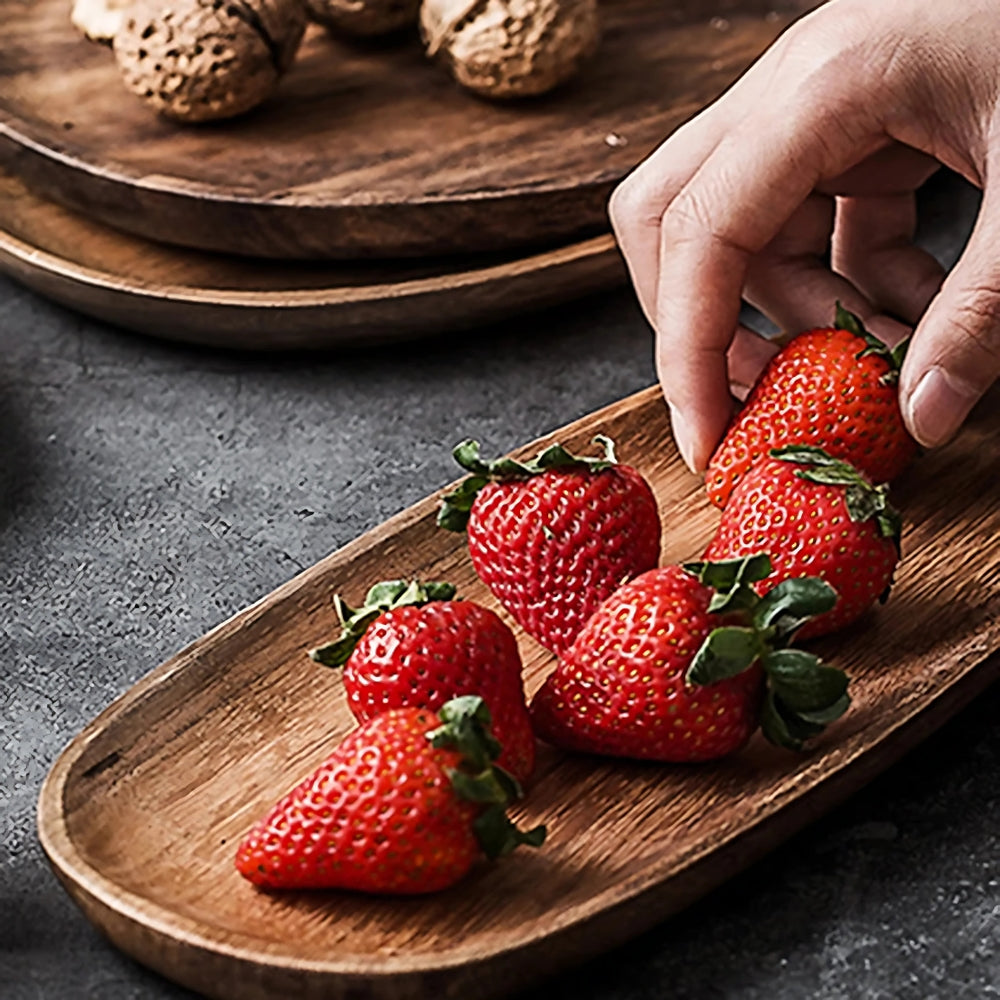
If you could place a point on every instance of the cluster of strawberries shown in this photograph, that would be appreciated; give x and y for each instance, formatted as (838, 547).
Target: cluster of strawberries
(680, 663)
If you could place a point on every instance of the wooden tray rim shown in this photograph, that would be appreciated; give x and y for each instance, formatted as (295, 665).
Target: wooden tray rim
(836, 761)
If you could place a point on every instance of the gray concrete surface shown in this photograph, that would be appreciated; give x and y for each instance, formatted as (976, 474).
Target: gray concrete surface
(148, 491)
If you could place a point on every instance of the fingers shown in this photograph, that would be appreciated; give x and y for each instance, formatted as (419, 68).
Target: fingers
(694, 330)
(692, 219)
(638, 203)
(747, 357)
(732, 208)
(792, 284)
(894, 169)
(955, 354)
(790, 281)
(873, 248)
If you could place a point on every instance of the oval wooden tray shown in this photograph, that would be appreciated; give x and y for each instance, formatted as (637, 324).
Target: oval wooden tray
(140, 816)
(245, 303)
(367, 150)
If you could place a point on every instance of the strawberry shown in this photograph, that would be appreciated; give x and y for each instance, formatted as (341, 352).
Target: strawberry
(412, 646)
(834, 388)
(682, 663)
(406, 804)
(555, 536)
(818, 516)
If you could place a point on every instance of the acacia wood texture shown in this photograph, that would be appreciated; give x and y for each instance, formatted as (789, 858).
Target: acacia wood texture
(247, 303)
(141, 815)
(367, 150)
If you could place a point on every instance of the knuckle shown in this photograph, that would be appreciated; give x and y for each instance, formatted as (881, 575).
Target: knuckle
(825, 37)
(691, 218)
(818, 49)
(976, 321)
(688, 216)
(894, 57)
(813, 45)
(635, 203)
(623, 204)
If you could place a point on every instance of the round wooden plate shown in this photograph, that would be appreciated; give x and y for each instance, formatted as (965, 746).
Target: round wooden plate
(371, 150)
(240, 302)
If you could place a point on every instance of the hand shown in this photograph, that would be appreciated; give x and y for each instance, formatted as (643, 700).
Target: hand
(814, 156)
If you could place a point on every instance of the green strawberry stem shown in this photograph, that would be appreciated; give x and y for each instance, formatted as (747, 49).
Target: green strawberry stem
(731, 580)
(384, 596)
(864, 501)
(455, 506)
(802, 693)
(465, 727)
(844, 319)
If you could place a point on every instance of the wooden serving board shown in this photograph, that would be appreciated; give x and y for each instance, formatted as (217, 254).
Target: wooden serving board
(246, 303)
(367, 150)
(141, 815)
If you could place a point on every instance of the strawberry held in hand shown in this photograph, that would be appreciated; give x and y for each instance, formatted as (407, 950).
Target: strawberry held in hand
(406, 804)
(412, 646)
(814, 516)
(553, 537)
(835, 388)
(682, 663)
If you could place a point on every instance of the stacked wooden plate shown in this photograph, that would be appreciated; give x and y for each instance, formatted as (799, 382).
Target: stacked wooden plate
(370, 199)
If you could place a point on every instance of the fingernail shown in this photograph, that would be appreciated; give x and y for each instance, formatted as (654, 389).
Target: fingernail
(682, 436)
(938, 405)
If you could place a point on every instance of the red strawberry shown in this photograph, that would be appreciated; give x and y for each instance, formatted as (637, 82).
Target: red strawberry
(668, 669)
(834, 388)
(412, 646)
(553, 537)
(406, 804)
(814, 515)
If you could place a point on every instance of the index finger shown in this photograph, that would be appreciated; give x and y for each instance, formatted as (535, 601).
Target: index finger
(732, 207)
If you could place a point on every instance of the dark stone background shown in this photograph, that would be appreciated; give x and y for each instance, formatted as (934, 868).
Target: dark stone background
(149, 491)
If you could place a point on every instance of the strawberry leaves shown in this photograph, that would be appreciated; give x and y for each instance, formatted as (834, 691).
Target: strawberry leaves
(864, 501)
(456, 505)
(726, 652)
(787, 607)
(731, 580)
(803, 696)
(554, 457)
(384, 596)
(465, 727)
(802, 693)
(803, 682)
(844, 319)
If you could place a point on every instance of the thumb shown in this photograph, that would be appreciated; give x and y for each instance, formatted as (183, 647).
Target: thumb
(954, 356)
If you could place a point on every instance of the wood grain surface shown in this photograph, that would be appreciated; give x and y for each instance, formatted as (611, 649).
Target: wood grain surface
(141, 814)
(367, 150)
(254, 304)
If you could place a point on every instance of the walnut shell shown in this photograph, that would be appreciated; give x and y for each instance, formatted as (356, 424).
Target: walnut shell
(99, 20)
(364, 18)
(200, 60)
(510, 48)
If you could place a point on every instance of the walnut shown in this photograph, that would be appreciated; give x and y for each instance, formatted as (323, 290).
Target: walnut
(199, 60)
(99, 20)
(364, 17)
(510, 48)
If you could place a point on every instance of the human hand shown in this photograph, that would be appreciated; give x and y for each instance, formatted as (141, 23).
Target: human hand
(797, 188)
